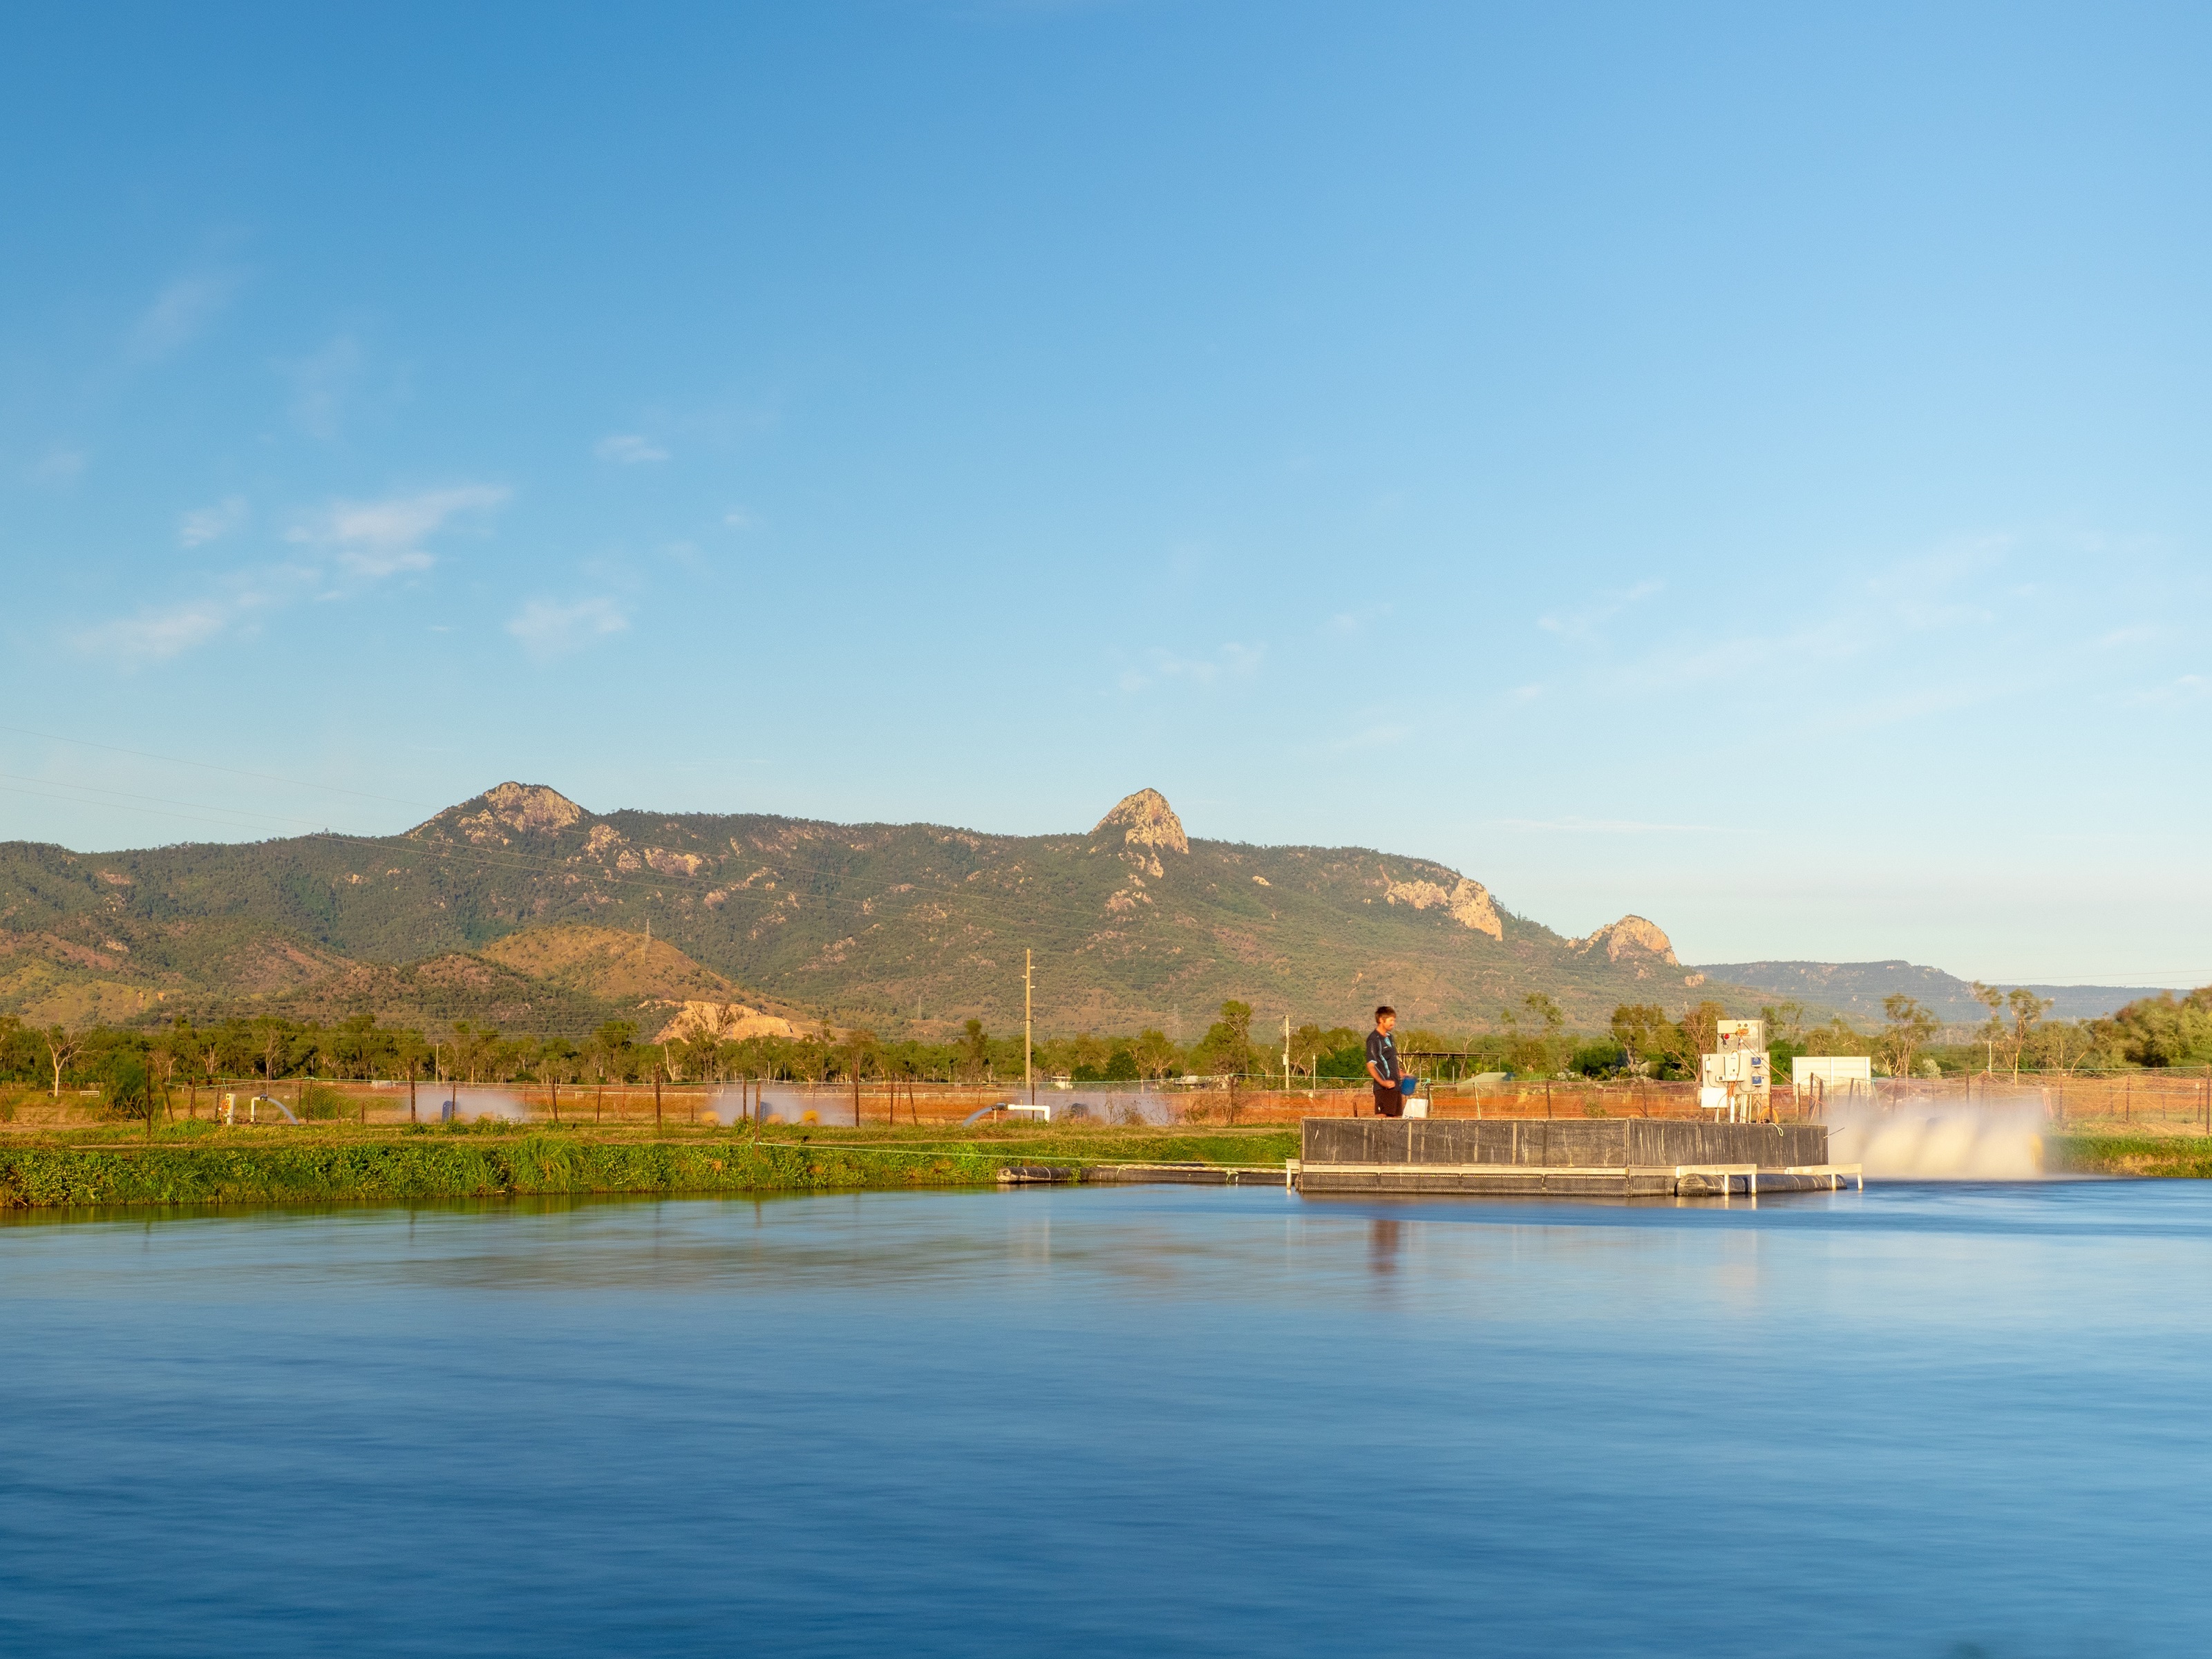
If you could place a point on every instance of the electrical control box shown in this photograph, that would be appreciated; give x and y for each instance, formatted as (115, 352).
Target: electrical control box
(1735, 1079)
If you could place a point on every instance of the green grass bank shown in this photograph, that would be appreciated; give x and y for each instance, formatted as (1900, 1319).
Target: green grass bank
(2168, 1156)
(200, 1165)
(195, 1164)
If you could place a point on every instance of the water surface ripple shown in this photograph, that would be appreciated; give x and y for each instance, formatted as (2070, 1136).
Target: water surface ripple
(1942, 1420)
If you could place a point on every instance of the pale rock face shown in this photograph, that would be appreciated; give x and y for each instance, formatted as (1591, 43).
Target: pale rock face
(1145, 819)
(532, 807)
(731, 1022)
(1629, 936)
(1467, 902)
(527, 809)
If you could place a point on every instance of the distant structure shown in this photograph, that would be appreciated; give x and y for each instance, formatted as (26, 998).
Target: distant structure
(1735, 1080)
(1817, 1077)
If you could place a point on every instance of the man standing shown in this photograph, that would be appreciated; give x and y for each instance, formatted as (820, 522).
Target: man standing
(1382, 1064)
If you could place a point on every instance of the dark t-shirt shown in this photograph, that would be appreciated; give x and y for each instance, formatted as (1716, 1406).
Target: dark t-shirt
(1382, 1054)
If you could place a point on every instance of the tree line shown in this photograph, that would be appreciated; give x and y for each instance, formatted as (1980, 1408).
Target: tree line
(1533, 1041)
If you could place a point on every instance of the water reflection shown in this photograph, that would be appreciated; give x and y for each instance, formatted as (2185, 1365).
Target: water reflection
(1382, 1242)
(1126, 1421)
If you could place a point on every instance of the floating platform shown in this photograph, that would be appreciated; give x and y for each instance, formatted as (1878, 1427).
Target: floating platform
(1185, 1174)
(1551, 1157)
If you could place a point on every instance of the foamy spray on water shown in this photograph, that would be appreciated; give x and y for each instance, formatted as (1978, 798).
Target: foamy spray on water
(1916, 1135)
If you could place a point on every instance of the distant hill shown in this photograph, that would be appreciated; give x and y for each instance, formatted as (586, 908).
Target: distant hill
(1855, 989)
(906, 926)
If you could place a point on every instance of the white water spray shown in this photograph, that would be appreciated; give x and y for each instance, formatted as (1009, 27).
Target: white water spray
(469, 1104)
(1996, 1135)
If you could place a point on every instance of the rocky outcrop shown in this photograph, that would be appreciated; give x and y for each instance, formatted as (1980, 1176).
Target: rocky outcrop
(1467, 902)
(1144, 819)
(727, 1022)
(527, 809)
(1630, 938)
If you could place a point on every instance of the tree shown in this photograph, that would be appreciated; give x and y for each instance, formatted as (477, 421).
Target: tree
(975, 1052)
(1695, 1036)
(268, 1036)
(1785, 1023)
(1227, 1045)
(62, 1045)
(2059, 1047)
(856, 1054)
(354, 1044)
(129, 1091)
(613, 1049)
(1525, 1052)
(1640, 1029)
(2027, 1012)
(1910, 1027)
(160, 1066)
(1992, 1029)
(1087, 1054)
(178, 1048)
(704, 1033)
(1156, 1053)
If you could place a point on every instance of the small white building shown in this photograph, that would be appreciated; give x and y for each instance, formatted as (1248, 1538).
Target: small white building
(1831, 1074)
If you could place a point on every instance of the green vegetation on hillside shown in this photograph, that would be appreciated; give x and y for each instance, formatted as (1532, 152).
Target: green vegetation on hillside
(895, 927)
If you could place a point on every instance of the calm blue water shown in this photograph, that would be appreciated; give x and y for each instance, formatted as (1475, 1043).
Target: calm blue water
(1933, 1420)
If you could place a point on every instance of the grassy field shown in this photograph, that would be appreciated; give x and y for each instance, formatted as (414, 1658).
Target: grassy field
(2129, 1154)
(200, 1163)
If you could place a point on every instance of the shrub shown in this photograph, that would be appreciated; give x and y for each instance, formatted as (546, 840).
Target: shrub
(124, 1083)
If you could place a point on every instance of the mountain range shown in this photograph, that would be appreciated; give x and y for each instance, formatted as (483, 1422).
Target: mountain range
(1855, 989)
(521, 907)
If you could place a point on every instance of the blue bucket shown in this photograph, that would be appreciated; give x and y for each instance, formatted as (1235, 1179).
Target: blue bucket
(1407, 1086)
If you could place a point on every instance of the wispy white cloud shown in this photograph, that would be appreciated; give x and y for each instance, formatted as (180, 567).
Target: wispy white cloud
(203, 524)
(1353, 624)
(2183, 688)
(180, 312)
(739, 517)
(1580, 624)
(154, 634)
(157, 633)
(60, 464)
(547, 628)
(2113, 638)
(366, 541)
(1232, 661)
(629, 449)
(322, 382)
(381, 538)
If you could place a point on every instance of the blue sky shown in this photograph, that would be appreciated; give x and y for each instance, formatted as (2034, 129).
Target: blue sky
(1744, 465)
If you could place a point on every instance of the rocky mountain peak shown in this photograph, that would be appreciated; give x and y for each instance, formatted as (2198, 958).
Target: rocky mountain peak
(506, 808)
(1629, 936)
(531, 806)
(1145, 819)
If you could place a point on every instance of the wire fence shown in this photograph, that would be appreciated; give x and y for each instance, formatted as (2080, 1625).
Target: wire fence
(2167, 1101)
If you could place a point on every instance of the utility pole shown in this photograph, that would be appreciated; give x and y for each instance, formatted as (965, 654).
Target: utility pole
(1287, 1054)
(1029, 1081)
